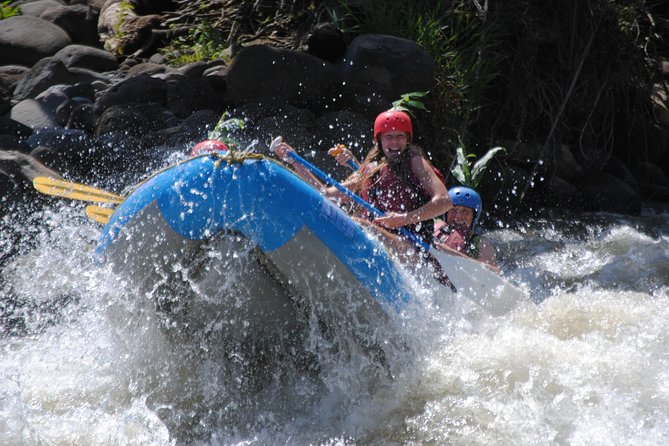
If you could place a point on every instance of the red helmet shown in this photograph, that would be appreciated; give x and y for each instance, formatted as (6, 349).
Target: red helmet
(208, 146)
(392, 120)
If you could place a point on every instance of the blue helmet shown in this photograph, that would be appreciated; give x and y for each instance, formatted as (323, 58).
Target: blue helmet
(469, 198)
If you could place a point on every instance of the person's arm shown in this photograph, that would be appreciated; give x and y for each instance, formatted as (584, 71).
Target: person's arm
(438, 205)
(282, 150)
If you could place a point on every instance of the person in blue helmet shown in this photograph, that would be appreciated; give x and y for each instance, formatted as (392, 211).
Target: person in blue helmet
(457, 234)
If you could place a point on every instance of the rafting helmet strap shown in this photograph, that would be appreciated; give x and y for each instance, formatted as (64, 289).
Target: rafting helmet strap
(392, 120)
(469, 198)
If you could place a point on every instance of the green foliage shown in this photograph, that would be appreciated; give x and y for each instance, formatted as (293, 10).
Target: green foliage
(7, 10)
(409, 101)
(469, 174)
(203, 41)
(224, 128)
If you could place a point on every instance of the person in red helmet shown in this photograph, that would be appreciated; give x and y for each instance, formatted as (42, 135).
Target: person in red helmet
(208, 146)
(395, 177)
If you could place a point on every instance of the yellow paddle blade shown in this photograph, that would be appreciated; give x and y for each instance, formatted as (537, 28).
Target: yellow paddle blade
(74, 191)
(99, 214)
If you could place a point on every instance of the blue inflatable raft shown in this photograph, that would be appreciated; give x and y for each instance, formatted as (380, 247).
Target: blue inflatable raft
(303, 240)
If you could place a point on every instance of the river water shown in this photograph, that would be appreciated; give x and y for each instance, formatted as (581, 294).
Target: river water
(584, 359)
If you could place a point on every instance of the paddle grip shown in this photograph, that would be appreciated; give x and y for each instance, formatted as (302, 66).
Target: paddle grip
(337, 150)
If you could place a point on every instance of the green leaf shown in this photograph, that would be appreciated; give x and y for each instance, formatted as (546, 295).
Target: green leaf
(461, 170)
(459, 174)
(416, 104)
(482, 164)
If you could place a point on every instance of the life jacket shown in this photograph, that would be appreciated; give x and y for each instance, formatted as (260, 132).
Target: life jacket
(386, 191)
(464, 241)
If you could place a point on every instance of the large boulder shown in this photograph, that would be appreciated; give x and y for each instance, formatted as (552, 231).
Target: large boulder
(133, 119)
(379, 68)
(186, 95)
(49, 72)
(139, 89)
(604, 192)
(24, 40)
(83, 56)
(37, 7)
(275, 76)
(34, 114)
(557, 160)
(78, 21)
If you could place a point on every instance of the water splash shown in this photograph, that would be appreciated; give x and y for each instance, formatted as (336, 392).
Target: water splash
(91, 361)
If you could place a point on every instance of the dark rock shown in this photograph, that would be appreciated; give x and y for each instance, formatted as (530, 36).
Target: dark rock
(78, 21)
(557, 160)
(81, 56)
(146, 69)
(10, 75)
(139, 89)
(36, 8)
(202, 120)
(379, 68)
(217, 78)
(326, 42)
(186, 95)
(134, 119)
(296, 125)
(562, 194)
(197, 69)
(10, 142)
(83, 117)
(49, 72)
(79, 91)
(5, 99)
(274, 76)
(97, 5)
(604, 192)
(651, 174)
(34, 114)
(25, 40)
(10, 127)
(64, 111)
(179, 135)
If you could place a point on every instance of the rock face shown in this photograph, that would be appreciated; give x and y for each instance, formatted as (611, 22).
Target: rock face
(84, 94)
(24, 40)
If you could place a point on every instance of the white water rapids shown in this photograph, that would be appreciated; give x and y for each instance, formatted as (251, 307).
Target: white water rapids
(86, 360)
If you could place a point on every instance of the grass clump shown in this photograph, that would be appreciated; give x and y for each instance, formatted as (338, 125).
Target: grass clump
(7, 10)
(203, 41)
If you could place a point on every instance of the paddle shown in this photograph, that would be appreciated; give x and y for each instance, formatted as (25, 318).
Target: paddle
(99, 214)
(74, 191)
(426, 248)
